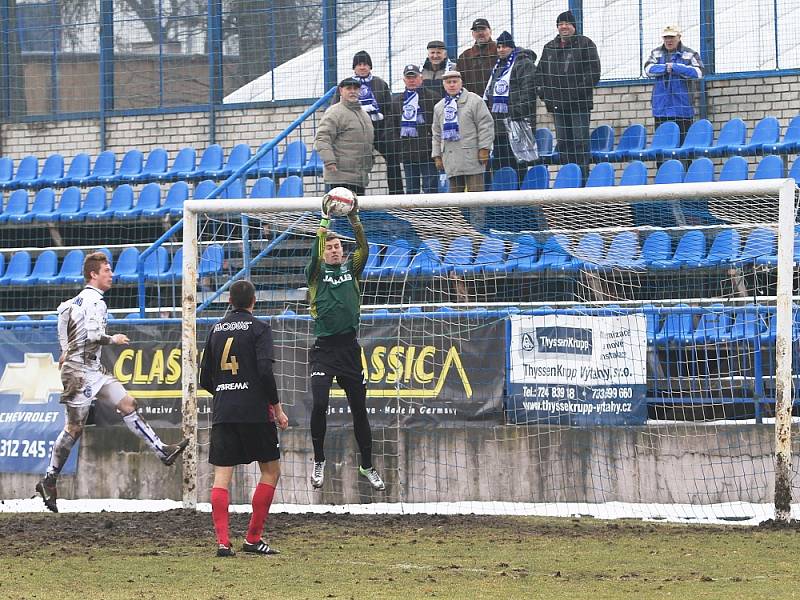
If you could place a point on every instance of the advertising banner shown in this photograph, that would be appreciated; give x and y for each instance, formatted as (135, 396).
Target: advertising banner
(585, 370)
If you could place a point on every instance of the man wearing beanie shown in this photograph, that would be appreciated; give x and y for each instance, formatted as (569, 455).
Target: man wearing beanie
(568, 71)
(376, 101)
(511, 95)
(476, 63)
(435, 66)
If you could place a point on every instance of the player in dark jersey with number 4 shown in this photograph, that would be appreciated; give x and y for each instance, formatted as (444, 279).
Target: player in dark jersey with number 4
(237, 369)
(335, 299)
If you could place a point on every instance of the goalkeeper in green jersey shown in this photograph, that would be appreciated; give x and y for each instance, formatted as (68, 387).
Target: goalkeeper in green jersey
(335, 298)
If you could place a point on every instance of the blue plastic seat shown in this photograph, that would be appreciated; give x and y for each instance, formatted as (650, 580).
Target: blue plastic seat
(772, 260)
(794, 172)
(235, 189)
(601, 175)
(314, 165)
(734, 169)
(121, 201)
(155, 265)
(105, 166)
(791, 140)
(601, 142)
(568, 176)
(748, 325)
(670, 171)
(52, 172)
(696, 212)
(173, 203)
(699, 137)
(293, 160)
(691, 249)
(634, 174)
(731, 135)
(544, 145)
(44, 205)
(291, 187)
(536, 178)
(19, 267)
(78, 169)
(766, 131)
(6, 172)
(154, 167)
(264, 187)
(395, 261)
(760, 243)
(127, 263)
(71, 271)
(724, 249)
(504, 179)
(27, 172)
(700, 171)
(94, 202)
(660, 214)
(149, 200)
(633, 139)
(239, 155)
(713, 327)
(428, 259)
(678, 326)
(622, 252)
(182, 167)
(17, 207)
(770, 167)
(490, 253)
(657, 246)
(373, 259)
(203, 189)
(459, 254)
(555, 252)
(210, 164)
(265, 165)
(665, 139)
(69, 203)
(211, 261)
(586, 253)
(129, 167)
(175, 270)
(524, 253)
(45, 268)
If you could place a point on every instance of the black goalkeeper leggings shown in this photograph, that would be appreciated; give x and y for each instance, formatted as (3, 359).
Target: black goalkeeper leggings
(357, 399)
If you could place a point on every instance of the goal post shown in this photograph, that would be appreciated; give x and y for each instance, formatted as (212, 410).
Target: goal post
(696, 386)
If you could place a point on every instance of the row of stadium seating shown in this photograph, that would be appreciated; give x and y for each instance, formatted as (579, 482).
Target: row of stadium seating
(636, 173)
(94, 206)
(157, 266)
(134, 169)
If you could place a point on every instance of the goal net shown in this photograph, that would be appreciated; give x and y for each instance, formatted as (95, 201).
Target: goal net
(608, 351)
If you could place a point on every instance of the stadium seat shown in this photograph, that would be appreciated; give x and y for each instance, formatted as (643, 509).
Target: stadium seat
(373, 259)
(264, 187)
(794, 172)
(748, 324)
(713, 327)
(699, 137)
(732, 134)
(772, 260)
(734, 169)
(27, 173)
(71, 271)
(94, 202)
(633, 139)
(696, 212)
(490, 253)
(125, 269)
(265, 165)
(524, 253)
(601, 175)
(130, 166)
(760, 243)
(601, 142)
(666, 138)
(660, 214)
(239, 155)
(234, 189)
(293, 160)
(16, 208)
(52, 172)
(210, 164)
(657, 246)
(678, 326)
(770, 167)
(622, 251)
(6, 172)
(504, 179)
(700, 171)
(203, 189)
(44, 205)
(635, 173)
(154, 166)
(428, 259)
(766, 131)
(459, 254)
(121, 201)
(211, 261)
(45, 268)
(691, 249)
(314, 166)
(19, 267)
(724, 249)
(105, 165)
(568, 176)
(395, 260)
(555, 252)
(536, 178)
(791, 140)
(175, 270)
(78, 169)
(182, 167)
(544, 145)
(149, 200)
(173, 203)
(291, 187)
(590, 247)
(156, 265)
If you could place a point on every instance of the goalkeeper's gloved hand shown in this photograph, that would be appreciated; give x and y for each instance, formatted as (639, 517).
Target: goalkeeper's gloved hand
(353, 215)
(326, 219)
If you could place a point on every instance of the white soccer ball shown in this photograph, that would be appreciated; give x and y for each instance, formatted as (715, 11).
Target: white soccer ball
(338, 202)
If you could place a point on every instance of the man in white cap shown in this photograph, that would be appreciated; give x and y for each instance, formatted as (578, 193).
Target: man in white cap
(672, 65)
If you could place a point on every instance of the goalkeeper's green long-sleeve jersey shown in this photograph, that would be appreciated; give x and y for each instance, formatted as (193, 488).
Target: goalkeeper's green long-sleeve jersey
(335, 290)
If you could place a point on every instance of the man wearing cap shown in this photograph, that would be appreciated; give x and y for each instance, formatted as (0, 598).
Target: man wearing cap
(435, 66)
(511, 94)
(568, 72)
(463, 131)
(344, 140)
(476, 63)
(413, 114)
(672, 65)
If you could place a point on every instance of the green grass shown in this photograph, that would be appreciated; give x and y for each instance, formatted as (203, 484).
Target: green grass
(170, 556)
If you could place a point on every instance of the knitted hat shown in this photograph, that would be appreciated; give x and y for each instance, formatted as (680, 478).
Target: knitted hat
(362, 56)
(505, 39)
(567, 17)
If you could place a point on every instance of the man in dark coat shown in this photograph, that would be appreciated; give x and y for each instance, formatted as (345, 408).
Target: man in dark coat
(476, 63)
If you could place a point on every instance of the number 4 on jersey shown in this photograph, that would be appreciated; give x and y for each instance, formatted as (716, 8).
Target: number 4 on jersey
(228, 361)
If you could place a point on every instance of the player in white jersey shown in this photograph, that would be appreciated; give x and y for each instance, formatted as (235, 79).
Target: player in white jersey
(82, 335)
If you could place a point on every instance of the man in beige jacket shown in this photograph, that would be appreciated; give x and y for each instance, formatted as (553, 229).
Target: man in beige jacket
(344, 141)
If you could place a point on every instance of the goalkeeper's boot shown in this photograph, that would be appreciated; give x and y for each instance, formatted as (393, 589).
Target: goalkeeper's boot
(318, 474)
(374, 479)
(47, 490)
(260, 547)
(224, 550)
(171, 452)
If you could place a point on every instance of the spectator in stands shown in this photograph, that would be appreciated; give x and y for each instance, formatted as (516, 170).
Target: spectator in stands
(672, 65)
(511, 95)
(435, 66)
(463, 131)
(475, 64)
(568, 71)
(413, 113)
(344, 140)
(376, 100)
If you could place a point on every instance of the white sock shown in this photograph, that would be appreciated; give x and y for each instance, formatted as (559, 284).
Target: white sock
(60, 454)
(140, 427)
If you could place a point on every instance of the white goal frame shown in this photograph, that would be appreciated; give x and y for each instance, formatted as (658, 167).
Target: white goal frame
(784, 189)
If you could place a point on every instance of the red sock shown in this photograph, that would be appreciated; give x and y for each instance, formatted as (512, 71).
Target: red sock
(262, 500)
(219, 514)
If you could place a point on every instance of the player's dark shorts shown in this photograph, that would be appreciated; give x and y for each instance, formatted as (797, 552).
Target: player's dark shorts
(337, 355)
(242, 443)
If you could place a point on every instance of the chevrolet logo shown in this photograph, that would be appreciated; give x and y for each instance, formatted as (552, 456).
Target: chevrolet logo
(34, 379)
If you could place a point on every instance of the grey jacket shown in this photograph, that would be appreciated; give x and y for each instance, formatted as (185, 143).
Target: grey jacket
(344, 138)
(476, 129)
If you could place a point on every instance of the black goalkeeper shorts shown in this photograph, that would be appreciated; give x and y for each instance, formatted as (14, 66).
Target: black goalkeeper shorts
(242, 443)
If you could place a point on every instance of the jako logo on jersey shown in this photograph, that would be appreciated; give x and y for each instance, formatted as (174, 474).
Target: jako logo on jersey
(334, 281)
(236, 385)
(566, 340)
(318, 374)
